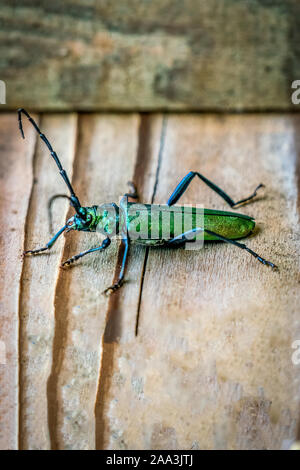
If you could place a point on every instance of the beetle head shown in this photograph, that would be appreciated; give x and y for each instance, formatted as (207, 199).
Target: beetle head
(84, 219)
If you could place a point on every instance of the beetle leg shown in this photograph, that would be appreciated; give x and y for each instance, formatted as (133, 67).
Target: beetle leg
(120, 280)
(48, 245)
(184, 183)
(186, 237)
(104, 245)
(133, 191)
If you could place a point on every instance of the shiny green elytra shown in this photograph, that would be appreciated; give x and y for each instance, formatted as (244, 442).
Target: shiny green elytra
(151, 224)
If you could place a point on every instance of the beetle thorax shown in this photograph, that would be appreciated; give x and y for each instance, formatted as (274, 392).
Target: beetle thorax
(107, 219)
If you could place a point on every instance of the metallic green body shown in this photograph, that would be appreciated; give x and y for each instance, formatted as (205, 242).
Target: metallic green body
(151, 224)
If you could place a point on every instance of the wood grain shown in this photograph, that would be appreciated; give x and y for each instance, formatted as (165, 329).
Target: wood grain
(39, 276)
(105, 162)
(163, 54)
(123, 308)
(16, 180)
(210, 364)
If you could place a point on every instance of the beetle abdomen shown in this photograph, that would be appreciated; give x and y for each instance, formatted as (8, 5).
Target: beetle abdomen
(147, 224)
(231, 226)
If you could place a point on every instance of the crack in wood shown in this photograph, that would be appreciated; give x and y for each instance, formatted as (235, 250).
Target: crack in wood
(113, 329)
(113, 323)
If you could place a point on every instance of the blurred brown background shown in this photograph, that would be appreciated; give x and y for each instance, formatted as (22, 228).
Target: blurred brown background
(150, 55)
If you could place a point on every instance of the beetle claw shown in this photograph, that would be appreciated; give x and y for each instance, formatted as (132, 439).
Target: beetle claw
(268, 263)
(65, 263)
(34, 252)
(113, 288)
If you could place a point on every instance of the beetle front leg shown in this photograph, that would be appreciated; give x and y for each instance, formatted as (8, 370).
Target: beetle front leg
(48, 246)
(102, 247)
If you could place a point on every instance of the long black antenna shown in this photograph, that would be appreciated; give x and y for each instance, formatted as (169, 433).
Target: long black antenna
(73, 199)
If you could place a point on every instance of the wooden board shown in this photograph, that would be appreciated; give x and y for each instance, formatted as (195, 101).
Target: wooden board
(16, 183)
(195, 351)
(163, 54)
(38, 283)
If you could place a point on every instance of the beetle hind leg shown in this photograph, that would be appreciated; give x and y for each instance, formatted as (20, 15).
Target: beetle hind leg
(185, 182)
(262, 260)
(186, 237)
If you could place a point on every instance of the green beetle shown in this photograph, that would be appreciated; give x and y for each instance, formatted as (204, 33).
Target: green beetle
(151, 224)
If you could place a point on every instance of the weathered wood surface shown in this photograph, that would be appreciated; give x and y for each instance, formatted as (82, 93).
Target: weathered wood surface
(16, 181)
(38, 284)
(163, 54)
(211, 364)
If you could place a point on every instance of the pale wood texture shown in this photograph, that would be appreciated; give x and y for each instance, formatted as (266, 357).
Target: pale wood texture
(210, 364)
(163, 54)
(38, 284)
(101, 171)
(16, 180)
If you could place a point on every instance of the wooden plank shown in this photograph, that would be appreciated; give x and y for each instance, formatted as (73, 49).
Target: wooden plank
(211, 366)
(39, 280)
(164, 54)
(124, 305)
(104, 163)
(16, 181)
